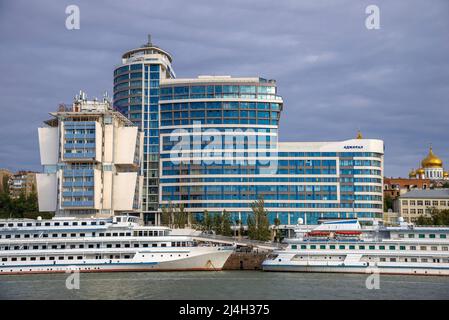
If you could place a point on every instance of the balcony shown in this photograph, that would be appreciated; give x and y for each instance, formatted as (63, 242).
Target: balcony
(79, 135)
(79, 145)
(78, 194)
(78, 173)
(78, 184)
(78, 204)
(81, 156)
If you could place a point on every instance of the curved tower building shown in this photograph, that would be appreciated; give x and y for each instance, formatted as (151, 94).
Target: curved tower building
(136, 95)
(218, 139)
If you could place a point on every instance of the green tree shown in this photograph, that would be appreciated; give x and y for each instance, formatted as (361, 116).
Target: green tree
(226, 229)
(165, 216)
(388, 203)
(207, 221)
(276, 235)
(258, 224)
(437, 218)
(216, 223)
(181, 217)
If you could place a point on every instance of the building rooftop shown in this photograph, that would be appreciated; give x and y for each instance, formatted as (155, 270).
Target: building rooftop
(216, 79)
(427, 194)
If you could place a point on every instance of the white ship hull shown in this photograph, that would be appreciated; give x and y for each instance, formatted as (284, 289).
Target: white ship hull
(342, 246)
(200, 259)
(380, 269)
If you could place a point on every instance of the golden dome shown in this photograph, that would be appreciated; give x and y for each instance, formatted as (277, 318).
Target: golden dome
(432, 161)
(412, 174)
(359, 135)
(420, 171)
(445, 174)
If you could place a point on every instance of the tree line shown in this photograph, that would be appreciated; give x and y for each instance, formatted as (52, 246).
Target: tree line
(20, 207)
(175, 216)
(437, 218)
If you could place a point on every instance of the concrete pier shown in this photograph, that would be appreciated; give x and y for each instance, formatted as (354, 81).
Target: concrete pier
(251, 260)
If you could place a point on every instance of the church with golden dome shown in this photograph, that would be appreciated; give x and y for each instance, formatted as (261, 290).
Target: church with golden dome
(431, 168)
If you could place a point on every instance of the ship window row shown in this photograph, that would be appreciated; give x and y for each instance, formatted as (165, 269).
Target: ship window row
(97, 246)
(44, 235)
(151, 233)
(369, 247)
(51, 224)
(370, 259)
(422, 235)
(51, 258)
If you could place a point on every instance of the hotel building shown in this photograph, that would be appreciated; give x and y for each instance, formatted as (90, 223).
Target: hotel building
(218, 148)
(91, 157)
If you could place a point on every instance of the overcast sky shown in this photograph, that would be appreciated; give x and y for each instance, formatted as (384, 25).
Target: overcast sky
(334, 74)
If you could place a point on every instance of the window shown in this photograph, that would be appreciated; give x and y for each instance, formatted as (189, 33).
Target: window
(421, 236)
(294, 246)
(442, 236)
(401, 247)
(381, 247)
(392, 247)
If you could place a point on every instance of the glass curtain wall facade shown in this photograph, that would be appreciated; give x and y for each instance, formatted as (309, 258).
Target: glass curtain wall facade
(136, 95)
(220, 151)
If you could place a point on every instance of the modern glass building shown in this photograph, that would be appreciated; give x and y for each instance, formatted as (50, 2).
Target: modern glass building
(220, 150)
(136, 95)
(211, 143)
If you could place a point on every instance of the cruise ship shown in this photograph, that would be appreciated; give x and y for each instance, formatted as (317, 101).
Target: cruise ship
(345, 246)
(100, 245)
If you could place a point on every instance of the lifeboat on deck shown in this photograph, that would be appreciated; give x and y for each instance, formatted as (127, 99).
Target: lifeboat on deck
(318, 234)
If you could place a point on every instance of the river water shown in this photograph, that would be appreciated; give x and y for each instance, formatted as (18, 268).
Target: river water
(222, 285)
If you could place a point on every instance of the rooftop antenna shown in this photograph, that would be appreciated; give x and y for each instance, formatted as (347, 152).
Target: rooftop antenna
(149, 44)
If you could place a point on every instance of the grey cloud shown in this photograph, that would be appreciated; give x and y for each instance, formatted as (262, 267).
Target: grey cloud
(335, 75)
